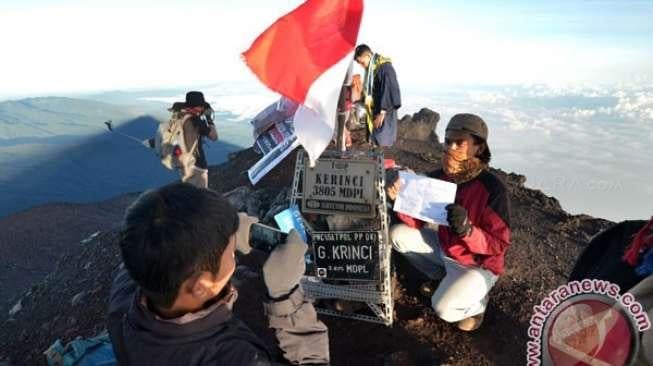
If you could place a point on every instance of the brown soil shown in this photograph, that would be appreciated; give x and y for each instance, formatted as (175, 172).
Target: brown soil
(32, 241)
(546, 240)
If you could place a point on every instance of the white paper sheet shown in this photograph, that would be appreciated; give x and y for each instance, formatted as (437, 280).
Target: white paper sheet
(424, 198)
(272, 159)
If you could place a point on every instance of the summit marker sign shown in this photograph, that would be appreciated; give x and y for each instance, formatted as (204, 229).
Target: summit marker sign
(340, 186)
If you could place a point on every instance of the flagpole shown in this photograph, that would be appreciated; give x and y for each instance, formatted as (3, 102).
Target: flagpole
(341, 116)
(326, 32)
(340, 125)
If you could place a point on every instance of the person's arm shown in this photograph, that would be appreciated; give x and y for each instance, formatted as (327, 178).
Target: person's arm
(205, 128)
(389, 97)
(490, 236)
(356, 88)
(301, 336)
(489, 241)
(123, 290)
(213, 133)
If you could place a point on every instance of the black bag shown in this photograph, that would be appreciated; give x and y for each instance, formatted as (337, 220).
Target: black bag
(602, 259)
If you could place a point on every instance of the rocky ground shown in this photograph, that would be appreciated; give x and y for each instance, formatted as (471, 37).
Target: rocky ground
(32, 241)
(71, 300)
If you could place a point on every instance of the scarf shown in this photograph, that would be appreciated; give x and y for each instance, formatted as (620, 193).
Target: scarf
(375, 61)
(460, 169)
(194, 110)
(642, 241)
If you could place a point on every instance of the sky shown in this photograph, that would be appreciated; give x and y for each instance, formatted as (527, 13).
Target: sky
(71, 45)
(587, 146)
(565, 86)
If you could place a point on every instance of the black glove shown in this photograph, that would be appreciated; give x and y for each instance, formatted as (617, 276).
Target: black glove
(458, 220)
(208, 121)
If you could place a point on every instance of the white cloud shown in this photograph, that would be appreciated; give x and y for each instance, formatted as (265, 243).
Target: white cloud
(489, 97)
(586, 145)
(577, 113)
(241, 99)
(638, 105)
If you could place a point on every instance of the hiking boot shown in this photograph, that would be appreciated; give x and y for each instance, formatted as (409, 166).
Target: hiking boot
(471, 323)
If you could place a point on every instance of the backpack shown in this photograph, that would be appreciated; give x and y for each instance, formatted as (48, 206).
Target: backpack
(170, 143)
(602, 258)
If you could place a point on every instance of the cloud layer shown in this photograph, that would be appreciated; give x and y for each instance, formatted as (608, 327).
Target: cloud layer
(588, 146)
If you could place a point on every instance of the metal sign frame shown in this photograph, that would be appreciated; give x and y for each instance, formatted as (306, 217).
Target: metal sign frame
(377, 294)
(355, 263)
(340, 186)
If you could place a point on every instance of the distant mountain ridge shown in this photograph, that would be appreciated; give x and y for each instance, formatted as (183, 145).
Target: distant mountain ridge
(57, 149)
(54, 116)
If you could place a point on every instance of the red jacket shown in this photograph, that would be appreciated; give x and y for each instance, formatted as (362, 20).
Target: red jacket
(488, 208)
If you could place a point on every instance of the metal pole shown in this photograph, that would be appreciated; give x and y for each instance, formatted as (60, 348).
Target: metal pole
(340, 125)
(340, 119)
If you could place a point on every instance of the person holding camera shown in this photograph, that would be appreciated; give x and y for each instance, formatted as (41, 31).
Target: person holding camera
(200, 123)
(171, 300)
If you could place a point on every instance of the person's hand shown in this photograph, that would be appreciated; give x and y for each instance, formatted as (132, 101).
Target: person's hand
(378, 120)
(393, 190)
(242, 233)
(285, 266)
(368, 101)
(458, 220)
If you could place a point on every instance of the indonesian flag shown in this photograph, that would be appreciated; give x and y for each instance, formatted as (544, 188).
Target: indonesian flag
(304, 56)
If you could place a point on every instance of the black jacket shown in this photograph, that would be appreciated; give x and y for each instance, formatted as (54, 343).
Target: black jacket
(602, 259)
(194, 130)
(139, 337)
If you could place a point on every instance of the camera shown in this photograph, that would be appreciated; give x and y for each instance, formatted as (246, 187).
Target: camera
(265, 238)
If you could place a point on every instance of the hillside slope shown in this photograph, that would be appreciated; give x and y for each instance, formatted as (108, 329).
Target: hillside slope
(71, 301)
(54, 116)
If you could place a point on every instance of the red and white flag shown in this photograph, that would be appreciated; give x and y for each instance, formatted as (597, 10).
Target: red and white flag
(304, 56)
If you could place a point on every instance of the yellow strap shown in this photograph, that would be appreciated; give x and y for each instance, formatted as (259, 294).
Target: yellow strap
(370, 126)
(377, 61)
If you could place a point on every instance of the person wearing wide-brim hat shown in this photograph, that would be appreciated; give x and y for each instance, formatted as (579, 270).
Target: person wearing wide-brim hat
(199, 124)
(193, 99)
(470, 251)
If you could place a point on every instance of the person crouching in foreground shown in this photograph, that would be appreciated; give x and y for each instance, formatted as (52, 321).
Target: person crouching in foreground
(171, 303)
(471, 249)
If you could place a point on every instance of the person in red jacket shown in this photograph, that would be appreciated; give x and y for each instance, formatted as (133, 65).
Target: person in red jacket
(470, 250)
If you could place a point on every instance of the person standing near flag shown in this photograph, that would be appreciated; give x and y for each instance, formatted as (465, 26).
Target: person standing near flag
(304, 56)
(382, 95)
